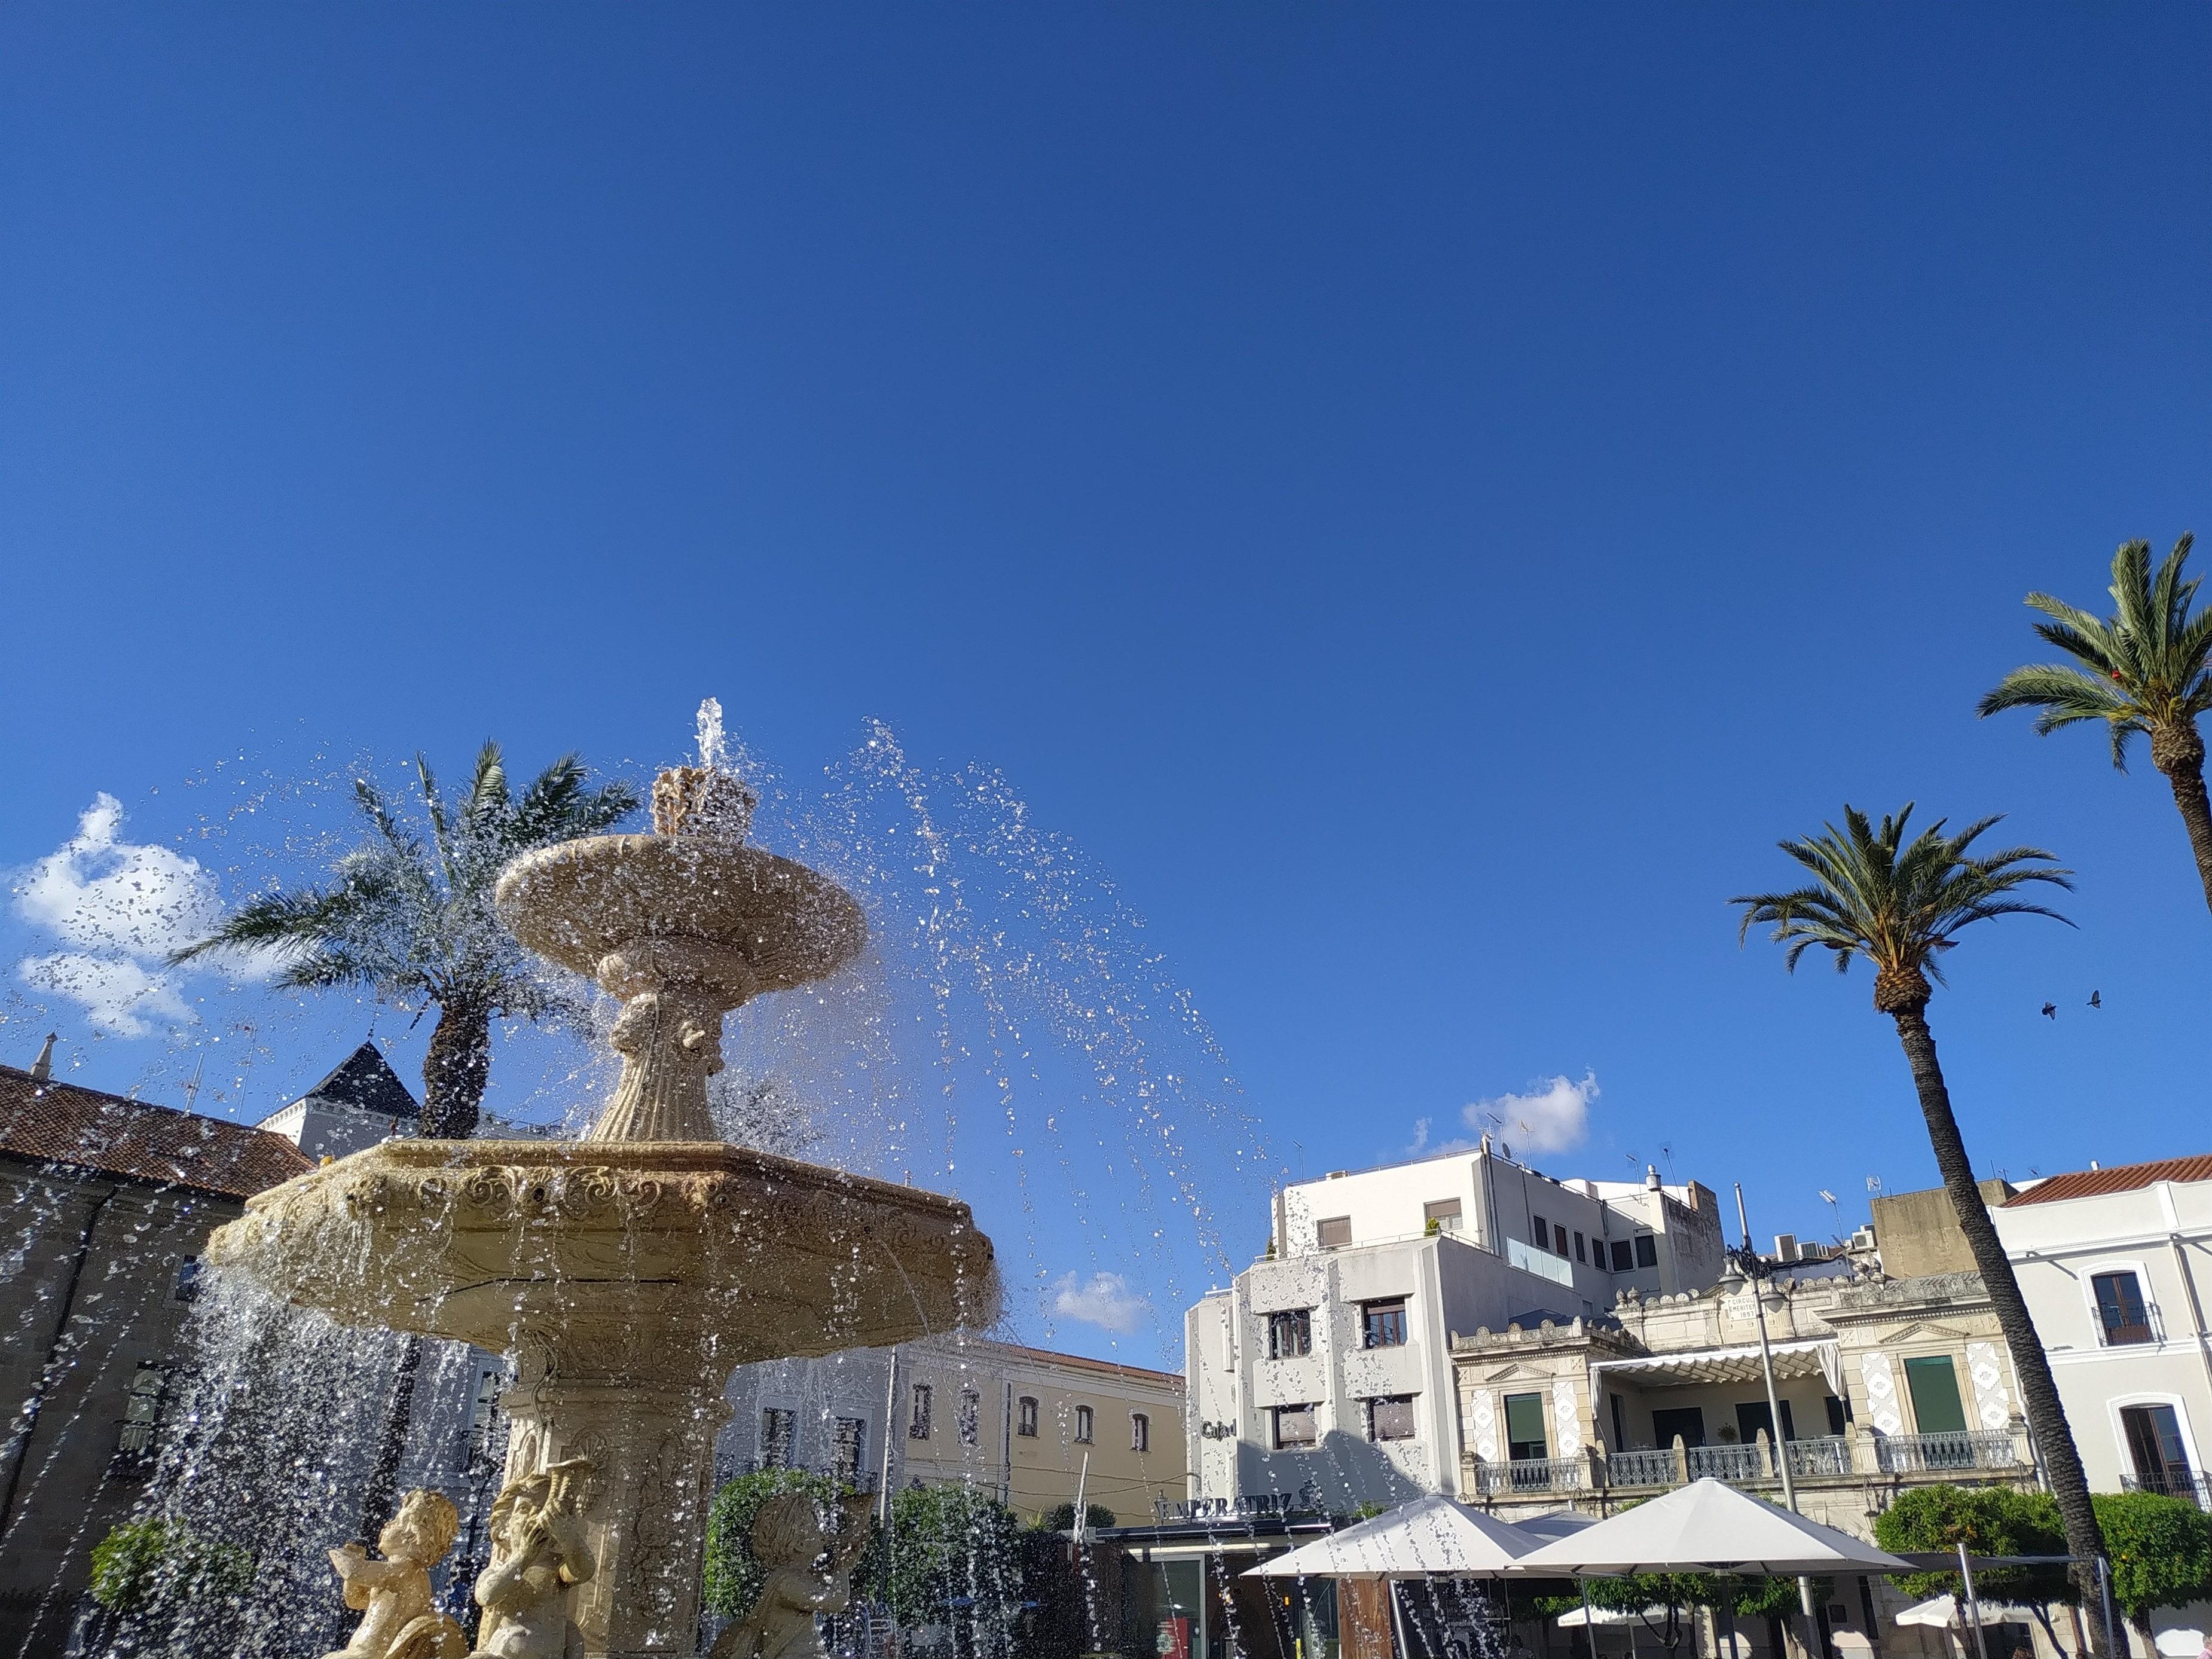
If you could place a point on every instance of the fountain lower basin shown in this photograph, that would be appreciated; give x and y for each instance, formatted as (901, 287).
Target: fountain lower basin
(627, 1278)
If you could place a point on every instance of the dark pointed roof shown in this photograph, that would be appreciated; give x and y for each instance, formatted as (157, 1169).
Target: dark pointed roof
(364, 1080)
(43, 1121)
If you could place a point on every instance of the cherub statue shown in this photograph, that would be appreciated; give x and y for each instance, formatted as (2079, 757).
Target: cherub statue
(807, 1576)
(399, 1619)
(539, 1551)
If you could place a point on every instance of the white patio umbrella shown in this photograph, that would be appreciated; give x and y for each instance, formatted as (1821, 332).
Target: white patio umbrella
(1431, 1536)
(1706, 1527)
(1941, 1612)
(1581, 1618)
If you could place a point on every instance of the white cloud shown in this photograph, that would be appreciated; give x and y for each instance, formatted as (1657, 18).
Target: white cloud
(1549, 1118)
(104, 894)
(1107, 1301)
(1424, 1147)
(118, 993)
(124, 907)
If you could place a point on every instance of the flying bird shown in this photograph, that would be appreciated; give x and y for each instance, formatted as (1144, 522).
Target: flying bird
(2050, 1011)
(2096, 999)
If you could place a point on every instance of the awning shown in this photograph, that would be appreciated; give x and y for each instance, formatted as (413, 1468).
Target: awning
(1705, 1527)
(1811, 1357)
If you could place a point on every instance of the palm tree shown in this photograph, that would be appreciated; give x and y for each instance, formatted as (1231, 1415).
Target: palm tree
(413, 922)
(1901, 905)
(2147, 668)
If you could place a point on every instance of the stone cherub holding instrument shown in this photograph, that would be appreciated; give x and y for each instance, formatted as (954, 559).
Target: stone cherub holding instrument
(807, 1575)
(399, 1619)
(539, 1553)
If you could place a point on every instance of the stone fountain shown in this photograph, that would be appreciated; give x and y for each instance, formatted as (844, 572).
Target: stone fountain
(629, 1272)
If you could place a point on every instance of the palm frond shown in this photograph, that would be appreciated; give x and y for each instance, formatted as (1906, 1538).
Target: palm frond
(488, 794)
(1899, 902)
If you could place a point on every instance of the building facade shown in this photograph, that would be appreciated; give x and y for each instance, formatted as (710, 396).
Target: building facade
(2116, 1265)
(1032, 1427)
(110, 1202)
(1327, 1367)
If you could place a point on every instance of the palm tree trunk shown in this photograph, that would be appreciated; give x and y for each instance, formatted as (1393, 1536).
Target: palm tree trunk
(456, 1069)
(2039, 1393)
(380, 1501)
(2187, 777)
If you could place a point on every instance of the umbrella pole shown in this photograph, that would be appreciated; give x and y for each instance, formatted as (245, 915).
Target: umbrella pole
(1397, 1623)
(1973, 1603)
(1590, 1625)
(1753, 1271)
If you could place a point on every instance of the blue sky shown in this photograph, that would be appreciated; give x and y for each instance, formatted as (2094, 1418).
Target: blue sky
(1424, 496)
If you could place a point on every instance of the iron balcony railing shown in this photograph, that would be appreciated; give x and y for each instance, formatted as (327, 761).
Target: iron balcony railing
(2172, 1483)
(2127, 1327)
(1528, 1475)
(1650, 1467)
(1961, 1448)
(1737, 1464)
(1826, 1454)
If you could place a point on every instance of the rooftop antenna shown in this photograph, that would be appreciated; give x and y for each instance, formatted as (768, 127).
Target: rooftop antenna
(1667, 1156)
(193, 1088)
(1835, 1212)
(1874, 1186)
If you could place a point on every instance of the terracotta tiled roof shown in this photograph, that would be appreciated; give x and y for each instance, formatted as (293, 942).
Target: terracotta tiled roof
(2126, 1178)
(1105, 1367)
(54, 1122)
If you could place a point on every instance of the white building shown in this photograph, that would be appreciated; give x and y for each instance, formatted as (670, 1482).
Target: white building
(2116, 1265)
(1328, 1363)
(360, 1103)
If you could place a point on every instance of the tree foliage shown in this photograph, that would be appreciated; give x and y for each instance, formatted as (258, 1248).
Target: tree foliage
(2147, 668)
(409, 916)
(956, 1559)
(734, 1576)
(1988, 1521)
(1900, 904)
(1061, 1517)
(2160, 1549)
(142, 1564)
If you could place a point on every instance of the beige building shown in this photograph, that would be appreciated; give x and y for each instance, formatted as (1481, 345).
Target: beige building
(1883, 1383)
(1030, 1426)
(111, 1200)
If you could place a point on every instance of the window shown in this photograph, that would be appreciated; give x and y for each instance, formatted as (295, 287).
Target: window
(1524, 1427)
(1647, 1250)
(1934, 1387)
(1334, 1233)
(971, 1404)
(2154, 1436)
(778, 1430)
(188, 1279)
(144, 1412)
(1839, 1415)
(1290, 1334)
(1624, 1255)
(1083, 1425)
(1683, 1423)
(1025, 1417)
(1141, 1432)
(917, 1426)
(1619, 1424)
(1558, 1238)
(1294, 1427)
(1391, 1419)
(852, 1442)
(1384, 1324)
(1444, 1212)
(1543, 1230)
(1579, 1256)
(2121, 1309)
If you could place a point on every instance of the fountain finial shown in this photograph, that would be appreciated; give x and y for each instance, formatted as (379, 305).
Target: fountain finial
(709, 798)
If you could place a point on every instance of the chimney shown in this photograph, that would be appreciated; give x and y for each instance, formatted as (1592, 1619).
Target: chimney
(42, 1068)
(1651, 1178)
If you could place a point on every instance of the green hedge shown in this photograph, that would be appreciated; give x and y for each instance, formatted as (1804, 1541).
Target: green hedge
(734, 1578)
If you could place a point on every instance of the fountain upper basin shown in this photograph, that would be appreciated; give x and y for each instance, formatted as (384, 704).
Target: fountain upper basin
(776, 923)
(603, 1248)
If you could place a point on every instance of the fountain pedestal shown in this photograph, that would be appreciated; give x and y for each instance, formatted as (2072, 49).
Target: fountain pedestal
(629, 1272)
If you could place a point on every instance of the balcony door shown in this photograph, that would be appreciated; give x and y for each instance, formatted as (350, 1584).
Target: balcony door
(1687, 1421)
(2154, 1447)
(1933, 1383)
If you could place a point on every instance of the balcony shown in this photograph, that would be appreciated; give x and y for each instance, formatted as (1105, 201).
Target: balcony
(1943, 1454)
(2172, 1483)
(1854, 1456)
(1532, 1476)
(2129, 1326)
